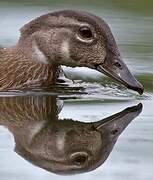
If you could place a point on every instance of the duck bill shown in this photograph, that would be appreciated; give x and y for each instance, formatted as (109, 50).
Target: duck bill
(118, 70)
(119, 120)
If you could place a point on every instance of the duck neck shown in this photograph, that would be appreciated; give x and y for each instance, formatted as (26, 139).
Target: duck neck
(19, 69)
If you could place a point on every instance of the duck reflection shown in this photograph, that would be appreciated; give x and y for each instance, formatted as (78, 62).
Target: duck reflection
(60, 146)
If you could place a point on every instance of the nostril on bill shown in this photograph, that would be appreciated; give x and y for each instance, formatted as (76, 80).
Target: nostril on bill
(117, 64)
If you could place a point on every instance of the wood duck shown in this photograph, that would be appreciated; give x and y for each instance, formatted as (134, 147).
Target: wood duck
(70, 38)
(61, 146)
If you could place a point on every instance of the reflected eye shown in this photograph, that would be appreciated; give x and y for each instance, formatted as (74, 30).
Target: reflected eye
(79, 158)
(85, 33)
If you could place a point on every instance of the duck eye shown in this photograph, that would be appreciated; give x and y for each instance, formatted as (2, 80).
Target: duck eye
(79, 158)
(85, 33)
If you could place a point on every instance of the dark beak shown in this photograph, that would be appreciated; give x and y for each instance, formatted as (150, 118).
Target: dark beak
(114, 67)
(119, 121)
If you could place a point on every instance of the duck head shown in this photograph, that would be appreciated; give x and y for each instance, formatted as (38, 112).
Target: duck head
(70, 147)
(75, 38)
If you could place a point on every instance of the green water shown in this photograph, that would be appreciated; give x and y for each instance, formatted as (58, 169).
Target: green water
(93, 96)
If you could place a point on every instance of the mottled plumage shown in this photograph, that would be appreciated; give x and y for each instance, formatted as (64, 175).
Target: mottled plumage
(18, 71)
(61, 146)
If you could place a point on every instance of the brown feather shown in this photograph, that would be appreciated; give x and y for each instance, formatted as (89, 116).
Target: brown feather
(18, 71)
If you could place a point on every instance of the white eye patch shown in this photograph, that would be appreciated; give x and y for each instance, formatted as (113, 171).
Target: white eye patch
(36, 128)
(65, 54)
(65, 50)
(39, 55)
(60, 141)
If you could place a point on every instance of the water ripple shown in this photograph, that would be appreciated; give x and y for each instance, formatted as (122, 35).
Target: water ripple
(84, 90)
